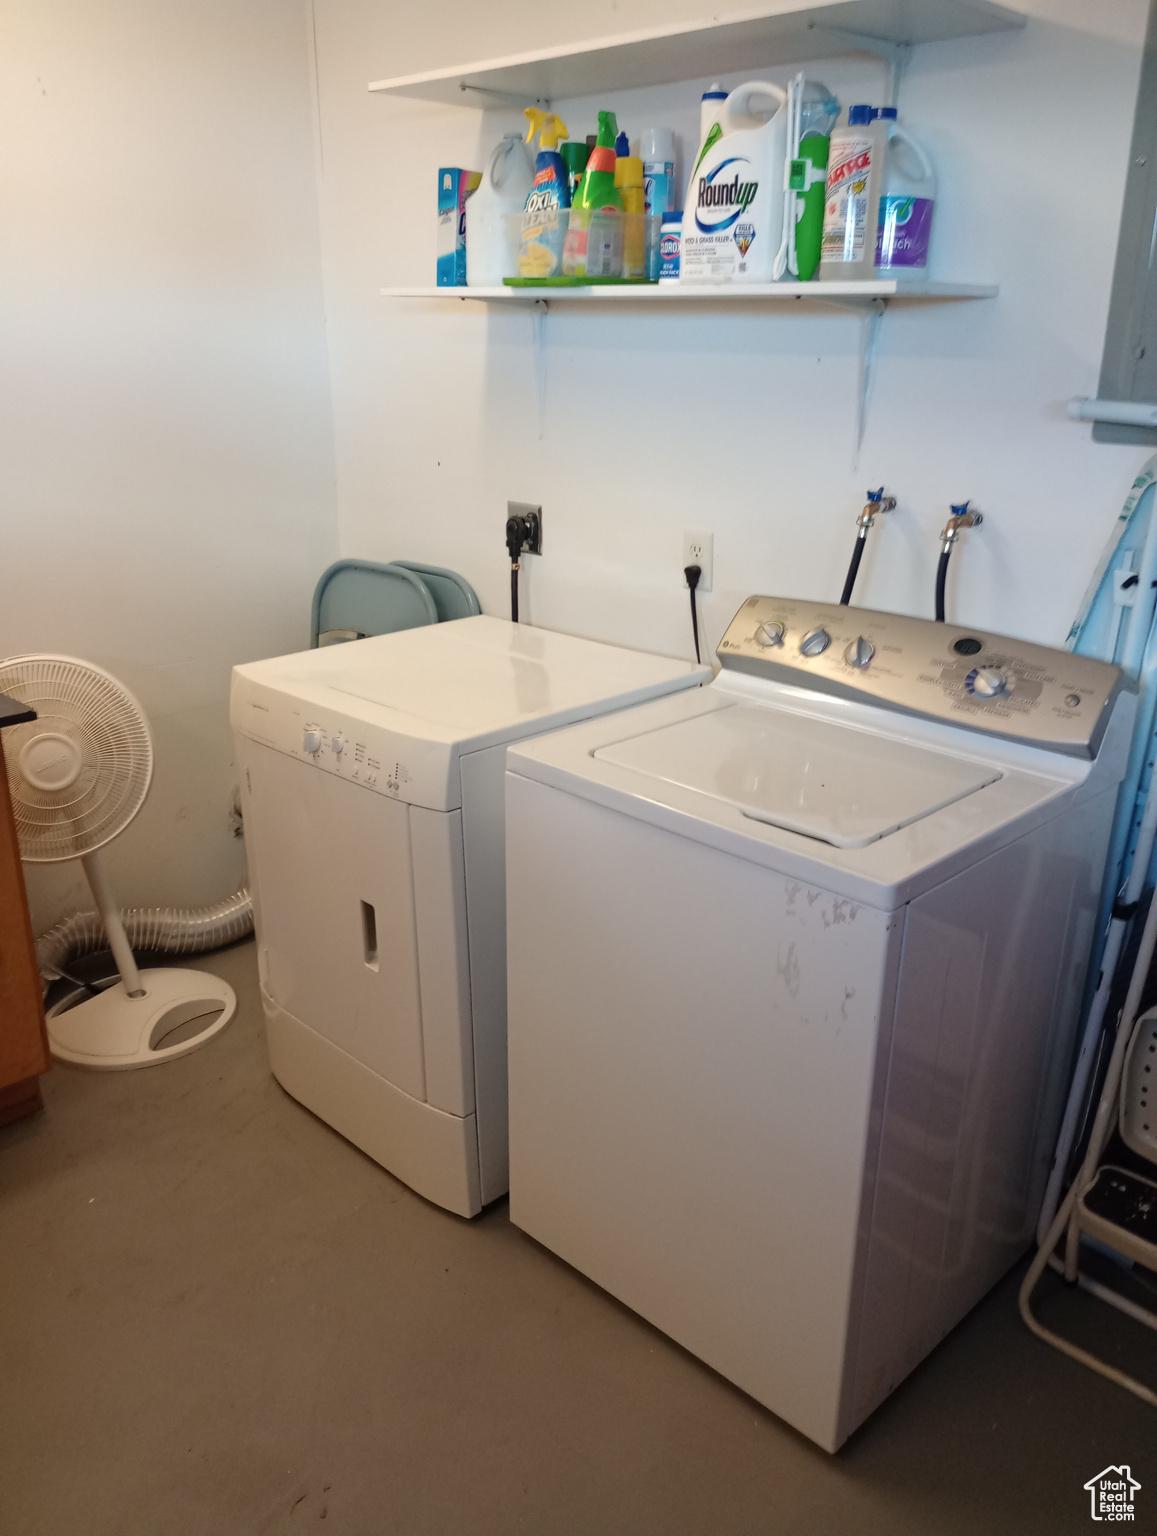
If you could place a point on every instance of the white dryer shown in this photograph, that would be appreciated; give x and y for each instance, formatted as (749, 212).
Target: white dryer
(372, 782)
(792, 1004)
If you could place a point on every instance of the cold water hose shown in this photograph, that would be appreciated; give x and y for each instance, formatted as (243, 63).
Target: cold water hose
(941, 580)
(877, 502)
(174, 930)
(853, 569)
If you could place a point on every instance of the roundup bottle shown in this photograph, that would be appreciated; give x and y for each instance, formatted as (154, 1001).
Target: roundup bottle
(852, 198)
(733, 213)
(907, 202)
(543, 230)
(594, 237)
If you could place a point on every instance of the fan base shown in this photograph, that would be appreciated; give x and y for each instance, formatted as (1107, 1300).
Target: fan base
(114, 1032)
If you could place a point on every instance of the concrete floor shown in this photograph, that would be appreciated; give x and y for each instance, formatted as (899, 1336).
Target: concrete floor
(218, 1317)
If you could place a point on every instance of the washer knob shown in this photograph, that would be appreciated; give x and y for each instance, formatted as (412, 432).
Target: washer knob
(337, 746)
(770, 633)
(815, 642)
(859, 653)
(311, 741)
(989, 683)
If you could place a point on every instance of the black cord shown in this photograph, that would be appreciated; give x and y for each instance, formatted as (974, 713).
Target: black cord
(941, 578)
(515, 534)
(693, 573)
(853, 570)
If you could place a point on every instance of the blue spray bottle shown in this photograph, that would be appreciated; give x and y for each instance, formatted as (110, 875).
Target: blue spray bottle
(543, 229)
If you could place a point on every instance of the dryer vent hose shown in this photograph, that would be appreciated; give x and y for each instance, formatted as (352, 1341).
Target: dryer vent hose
(176, 930)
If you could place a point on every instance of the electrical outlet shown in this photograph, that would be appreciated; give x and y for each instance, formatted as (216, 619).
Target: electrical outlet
(699, 549)
(532, 538)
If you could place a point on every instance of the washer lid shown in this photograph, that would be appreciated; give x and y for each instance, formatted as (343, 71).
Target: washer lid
(844, 786)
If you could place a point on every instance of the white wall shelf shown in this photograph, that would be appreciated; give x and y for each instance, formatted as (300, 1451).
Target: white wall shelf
(867, 299)
(867, 295)
(787, 33)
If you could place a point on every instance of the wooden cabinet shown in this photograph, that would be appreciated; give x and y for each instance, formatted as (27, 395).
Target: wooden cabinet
(23, 1040)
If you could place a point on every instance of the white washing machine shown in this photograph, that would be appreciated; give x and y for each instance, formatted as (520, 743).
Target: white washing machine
(792, 1004)
(372, 783)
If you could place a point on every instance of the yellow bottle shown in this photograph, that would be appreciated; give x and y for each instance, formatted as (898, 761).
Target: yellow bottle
(629, 181)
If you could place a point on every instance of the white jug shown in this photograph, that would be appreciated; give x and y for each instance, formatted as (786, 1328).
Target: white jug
(492, 241)
(733, 211)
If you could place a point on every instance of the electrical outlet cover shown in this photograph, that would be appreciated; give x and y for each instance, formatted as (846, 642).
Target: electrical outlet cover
(533, 514)
(699, 549)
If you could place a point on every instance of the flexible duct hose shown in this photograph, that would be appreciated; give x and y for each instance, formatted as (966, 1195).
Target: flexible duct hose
(176, 930)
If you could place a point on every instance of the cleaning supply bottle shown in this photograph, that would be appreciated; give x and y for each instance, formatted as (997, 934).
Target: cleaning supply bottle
(818, 113)
(575, 157)
(907, 202)
(852, 200)
(594, 237)
(622, 146)
(491, 253)
(657, 150)
(733, 214)
(629, 181)
(670, 240)
(543, 228)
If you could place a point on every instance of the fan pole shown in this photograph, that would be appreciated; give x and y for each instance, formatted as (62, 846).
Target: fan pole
(113, 927)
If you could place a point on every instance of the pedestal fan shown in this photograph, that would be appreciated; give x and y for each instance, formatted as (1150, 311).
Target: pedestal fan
(78, 774)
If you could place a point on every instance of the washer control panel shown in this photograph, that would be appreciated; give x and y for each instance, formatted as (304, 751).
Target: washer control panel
(1031, 693)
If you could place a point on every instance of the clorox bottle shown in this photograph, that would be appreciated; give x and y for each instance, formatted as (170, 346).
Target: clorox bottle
(733, 214)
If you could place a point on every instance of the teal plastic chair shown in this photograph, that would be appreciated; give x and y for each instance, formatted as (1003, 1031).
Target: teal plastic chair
(356, 598)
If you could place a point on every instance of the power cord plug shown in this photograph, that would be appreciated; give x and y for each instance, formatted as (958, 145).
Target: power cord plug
(693, 573)
(518, 532)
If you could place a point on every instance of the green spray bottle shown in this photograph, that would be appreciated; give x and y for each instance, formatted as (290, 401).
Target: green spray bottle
(594, 238)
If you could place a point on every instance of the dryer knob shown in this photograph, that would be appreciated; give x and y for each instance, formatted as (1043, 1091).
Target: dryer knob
(311, 741)
(815, 642)
(337, 746)
(859, 653)
(988, 683)
(769, 634)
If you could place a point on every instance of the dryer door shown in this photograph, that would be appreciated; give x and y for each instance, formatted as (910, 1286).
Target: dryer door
(336, 911)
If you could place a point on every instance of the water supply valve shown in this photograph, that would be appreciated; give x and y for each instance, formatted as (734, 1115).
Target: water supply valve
(961, 518)
(877, 502)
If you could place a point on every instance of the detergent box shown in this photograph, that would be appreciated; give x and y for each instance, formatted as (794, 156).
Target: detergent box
(454, 187)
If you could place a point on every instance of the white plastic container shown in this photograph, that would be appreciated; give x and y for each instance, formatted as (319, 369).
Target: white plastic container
(505, 186)
(852, 201)
(733, 212)
(907, 203)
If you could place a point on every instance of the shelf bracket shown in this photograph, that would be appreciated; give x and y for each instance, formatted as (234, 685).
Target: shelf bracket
(872, 314)
(894, 55)
(538, 320)
(503, 98)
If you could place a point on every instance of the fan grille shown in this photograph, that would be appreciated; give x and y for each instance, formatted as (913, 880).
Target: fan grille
(98, 718)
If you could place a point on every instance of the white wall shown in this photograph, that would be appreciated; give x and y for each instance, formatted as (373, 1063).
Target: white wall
(166, 470)
(739, 422)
